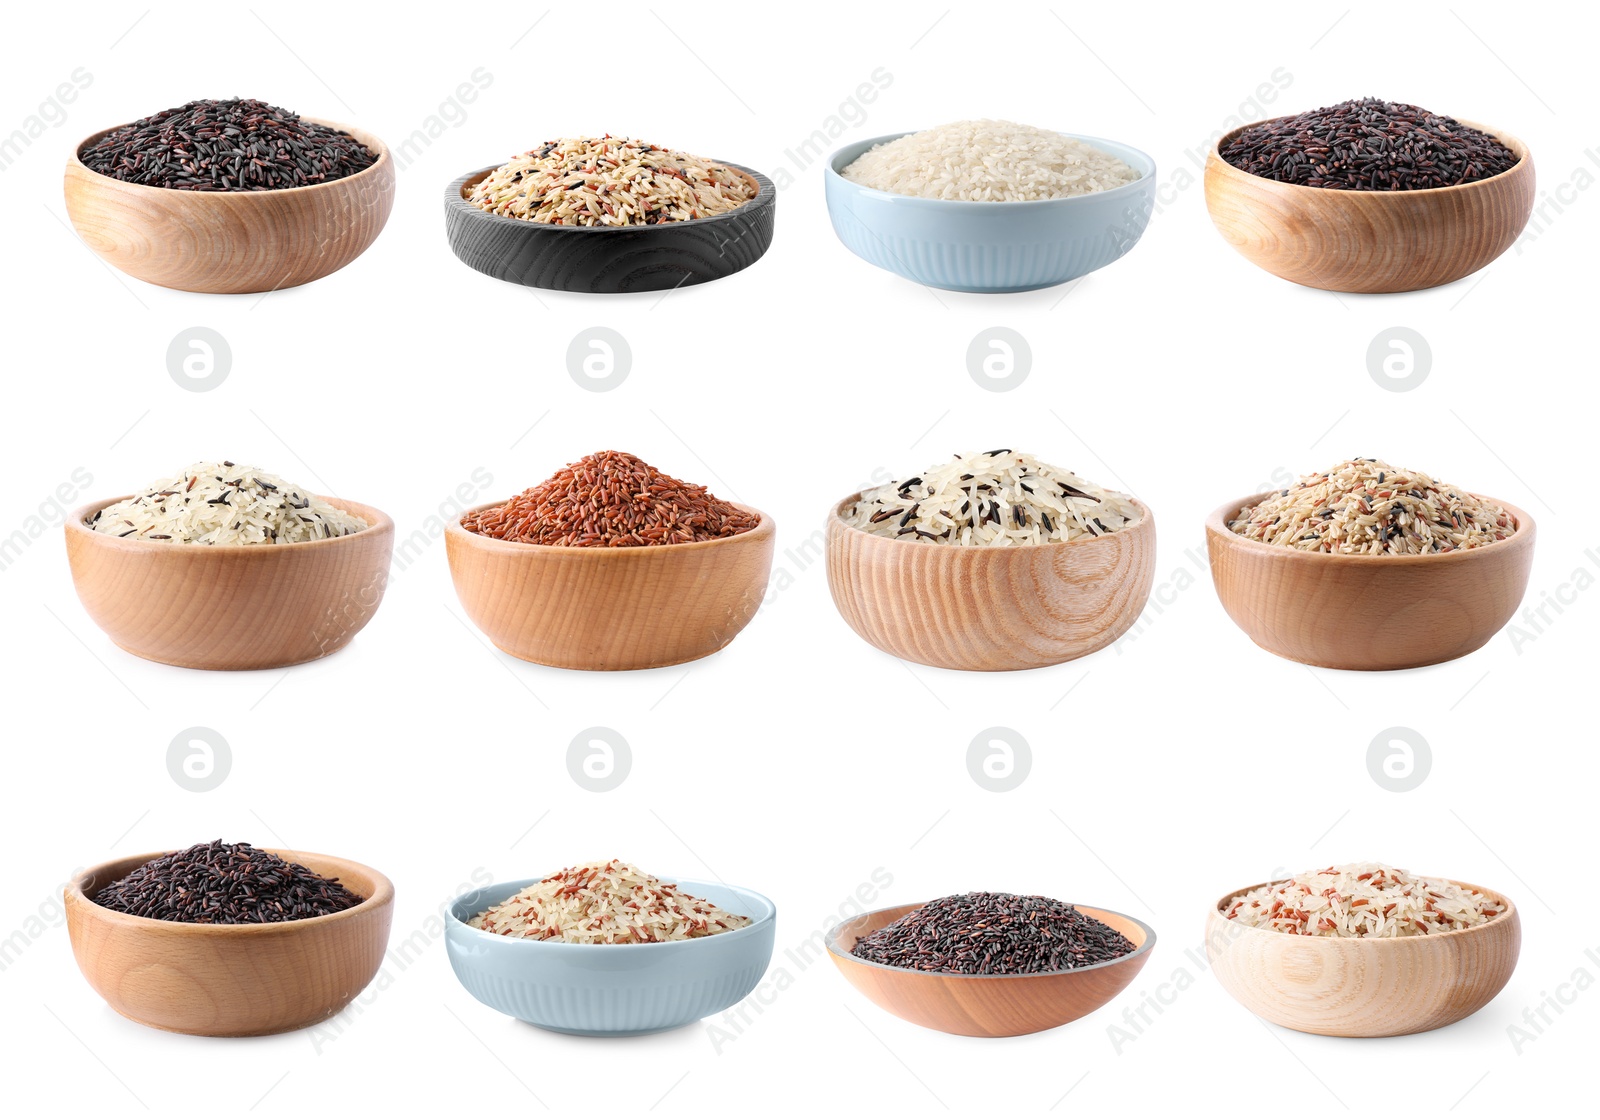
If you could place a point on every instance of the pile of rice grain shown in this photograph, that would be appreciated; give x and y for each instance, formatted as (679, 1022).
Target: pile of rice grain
(610, 903)
(988, 161)
(996, 498)
(225, 504)
(606, 181)
(1367, 507)
(1363, 900)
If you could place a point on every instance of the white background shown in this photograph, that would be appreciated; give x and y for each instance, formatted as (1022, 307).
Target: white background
(1179, 764)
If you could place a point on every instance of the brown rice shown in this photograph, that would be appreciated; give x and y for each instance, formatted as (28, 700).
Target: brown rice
(1363, 900)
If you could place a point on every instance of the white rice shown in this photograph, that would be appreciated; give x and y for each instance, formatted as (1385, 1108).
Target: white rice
(1363, 900)
(225, 504)
(988, 161)
(996, 498)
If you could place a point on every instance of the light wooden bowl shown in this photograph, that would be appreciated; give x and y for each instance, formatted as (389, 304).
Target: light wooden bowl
(1370, 241)
(1363, 987)
(611, 608)
(231, 241)
(1368, 612)
(988, 1006)
(998, 608)
(232, 607)
(230, 981)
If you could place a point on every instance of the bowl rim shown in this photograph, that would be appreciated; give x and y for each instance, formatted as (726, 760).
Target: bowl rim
(831, 940)
(1522, 151)
(381, 898)
(77, 522)
(1217, 526)
(764, 528)
(1510, 912)
(1145, 522)
(372, 142)
(766, 196)
(459, 928)
(832, 173)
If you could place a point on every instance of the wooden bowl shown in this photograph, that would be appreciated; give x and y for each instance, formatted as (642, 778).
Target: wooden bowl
(231, 241)
(1370, 241)
(231, 607)
(609, 258)
(229, 981)
(1363, 987)
(1368, 612)
(971, 607)
(988, 1006)
(611, 608)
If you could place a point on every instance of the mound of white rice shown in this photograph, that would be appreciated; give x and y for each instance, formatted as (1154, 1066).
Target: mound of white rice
(225, 504)
(1363, 900)
(988, 161)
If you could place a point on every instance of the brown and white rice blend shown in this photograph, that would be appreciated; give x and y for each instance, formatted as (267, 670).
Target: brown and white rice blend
(1365, 507)
(1363, 900)
(994, 498)
(605, 903)
(225, 504)
(610, 181)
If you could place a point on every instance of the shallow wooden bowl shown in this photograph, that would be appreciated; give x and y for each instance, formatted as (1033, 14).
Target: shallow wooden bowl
(1368, 612)
(230, 981)
(1370, 241)
(1363, 987)
(611, 608)
(1012, 607)
(231, 241)
(233, 607)
(988, 1006)
(608, 259)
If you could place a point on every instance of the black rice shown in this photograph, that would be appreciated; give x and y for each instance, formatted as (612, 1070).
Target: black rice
(1369, 145)
(225, 884)
(986, 934)
(236, 145)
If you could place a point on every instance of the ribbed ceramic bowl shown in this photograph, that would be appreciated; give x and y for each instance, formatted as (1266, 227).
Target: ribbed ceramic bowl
(1363, 987)
(611, 989)
(990, 246)
(609, 259)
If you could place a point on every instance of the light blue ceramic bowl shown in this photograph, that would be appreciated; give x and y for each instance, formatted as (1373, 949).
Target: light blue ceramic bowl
(612, 989)
(990, 246)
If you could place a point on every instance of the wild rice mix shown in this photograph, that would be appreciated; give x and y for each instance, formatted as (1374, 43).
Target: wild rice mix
(1366, 507)
(1363, 900)
(611, 500)
(998, 497)
(607, 181)
(225, 884)
(225, 504)
(609, 903)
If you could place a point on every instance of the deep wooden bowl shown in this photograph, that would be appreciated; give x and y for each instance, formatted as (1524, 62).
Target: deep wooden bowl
(611, 608)
(999, 608)
(609, 258)
(231, 241)
(1363, 987)
(1368, 612)
(231, 607)
(1370, 241)
(229, 981)
(988, 1006)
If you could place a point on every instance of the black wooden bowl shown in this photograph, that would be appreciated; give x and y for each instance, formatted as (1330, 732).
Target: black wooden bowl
(609, 258)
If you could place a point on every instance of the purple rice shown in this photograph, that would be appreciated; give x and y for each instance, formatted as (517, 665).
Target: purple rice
(985, 934)
(225, 884)
(1369, 145)
(236, 145)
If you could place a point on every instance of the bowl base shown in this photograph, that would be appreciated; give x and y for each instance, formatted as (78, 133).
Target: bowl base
(331, 1012)
(579, 1033)
(589, 667)
(1399, 666)
(330, 651)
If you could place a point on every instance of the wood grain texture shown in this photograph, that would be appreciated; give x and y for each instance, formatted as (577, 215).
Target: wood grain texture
(1363, 987)
(230, 981)
(988, 1006)
(1370, 241)
(611, 608)
(237, 607)
(1368, 612)
(231, 241)
(609, 259)
(990, 609)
